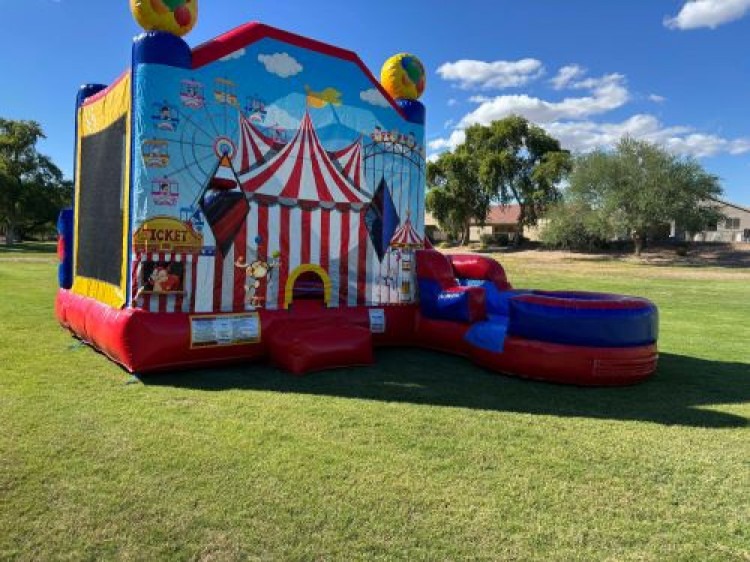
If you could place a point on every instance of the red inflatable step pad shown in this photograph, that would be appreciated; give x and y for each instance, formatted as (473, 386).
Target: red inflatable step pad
(319, 345)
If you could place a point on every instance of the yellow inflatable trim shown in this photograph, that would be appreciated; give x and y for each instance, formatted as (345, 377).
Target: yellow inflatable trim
(93, 118)
(297, 273)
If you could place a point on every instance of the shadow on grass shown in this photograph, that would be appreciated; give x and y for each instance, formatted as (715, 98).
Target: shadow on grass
(739, 260)
(717, 256)
(675, 396)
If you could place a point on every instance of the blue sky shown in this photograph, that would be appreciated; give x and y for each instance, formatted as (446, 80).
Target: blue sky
(670, 71)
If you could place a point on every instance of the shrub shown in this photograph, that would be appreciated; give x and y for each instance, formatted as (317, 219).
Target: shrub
(502, 239)
(574, 227)
(494, 239)
(682, 248)
(486, 239)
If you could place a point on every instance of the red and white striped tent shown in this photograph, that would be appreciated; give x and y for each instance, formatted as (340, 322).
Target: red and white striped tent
(406, 237)
(399, 262)
(306, 214)
(253, 146)
(303, 173)
(350, 159)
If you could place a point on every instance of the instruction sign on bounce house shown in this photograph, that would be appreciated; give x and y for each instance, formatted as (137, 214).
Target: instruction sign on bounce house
(262, 197)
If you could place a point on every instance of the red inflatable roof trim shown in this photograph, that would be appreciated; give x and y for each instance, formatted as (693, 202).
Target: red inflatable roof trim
(105, 91)
(253, 32)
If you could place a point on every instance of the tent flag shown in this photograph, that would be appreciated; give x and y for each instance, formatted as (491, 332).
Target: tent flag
(382, 219)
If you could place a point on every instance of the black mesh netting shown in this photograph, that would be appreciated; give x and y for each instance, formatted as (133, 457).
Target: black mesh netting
(100, 204)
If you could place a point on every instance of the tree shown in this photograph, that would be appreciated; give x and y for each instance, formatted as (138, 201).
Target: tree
(575, 226)
(518, 162)
(640, 187)
(32, 188)
(455, 196)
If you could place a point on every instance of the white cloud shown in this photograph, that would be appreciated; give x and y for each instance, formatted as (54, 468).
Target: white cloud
(608, 92)
(235, 55)
(571, 119)
(491, 75)
(708, 13)
(585, 136)
(480, 99)
(452, 102)
(374, 97)
(281, 64)
(566, 75)
(278, 117)
(456, 138)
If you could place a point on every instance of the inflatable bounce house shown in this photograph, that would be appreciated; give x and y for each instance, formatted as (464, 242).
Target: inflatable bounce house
(262, 197)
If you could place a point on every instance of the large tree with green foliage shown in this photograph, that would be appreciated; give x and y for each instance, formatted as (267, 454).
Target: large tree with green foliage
(32, 188)
(520, 163)
(509, 161)
(456, 198)
(640, 187)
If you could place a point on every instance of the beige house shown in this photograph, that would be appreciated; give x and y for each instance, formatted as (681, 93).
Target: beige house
(500, 220)
(734, 227)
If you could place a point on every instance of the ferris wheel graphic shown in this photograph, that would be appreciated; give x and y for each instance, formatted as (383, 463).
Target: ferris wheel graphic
(210, 130)
(400, 161)
(194, 138)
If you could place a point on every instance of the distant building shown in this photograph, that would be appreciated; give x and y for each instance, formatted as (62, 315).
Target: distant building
(500, 220)
(734, 227)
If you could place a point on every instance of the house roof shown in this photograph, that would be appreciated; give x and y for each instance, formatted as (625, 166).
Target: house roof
(730, 204)
(500, 214)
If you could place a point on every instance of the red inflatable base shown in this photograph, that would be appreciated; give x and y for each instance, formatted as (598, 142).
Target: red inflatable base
(309, 337)
(565, 364)
(145, 342)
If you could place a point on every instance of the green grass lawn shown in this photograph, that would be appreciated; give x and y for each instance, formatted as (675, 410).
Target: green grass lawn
(28, 248)
(422, 457)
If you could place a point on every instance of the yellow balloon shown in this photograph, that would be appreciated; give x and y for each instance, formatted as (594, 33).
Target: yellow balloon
(173, 16)
(403, 76)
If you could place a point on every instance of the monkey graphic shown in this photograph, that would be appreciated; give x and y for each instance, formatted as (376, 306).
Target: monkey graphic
(255, 272)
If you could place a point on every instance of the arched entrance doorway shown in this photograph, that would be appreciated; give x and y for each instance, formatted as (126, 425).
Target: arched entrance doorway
(308, 282)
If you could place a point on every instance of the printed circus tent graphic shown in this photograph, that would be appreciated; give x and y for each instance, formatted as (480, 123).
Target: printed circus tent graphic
(309, 208)
(352, 164)
(303, 173)
(253, 147)
(406, 237)
(223, 202)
